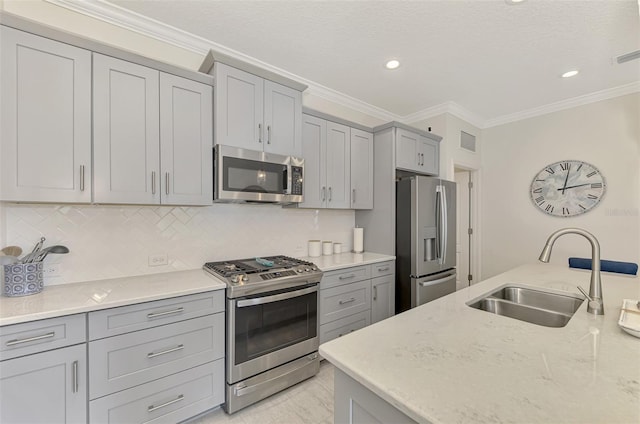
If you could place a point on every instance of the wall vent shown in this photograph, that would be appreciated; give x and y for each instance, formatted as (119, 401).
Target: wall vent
(468, 141)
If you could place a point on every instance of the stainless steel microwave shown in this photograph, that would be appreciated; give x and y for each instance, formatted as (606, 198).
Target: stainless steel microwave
(241, 175)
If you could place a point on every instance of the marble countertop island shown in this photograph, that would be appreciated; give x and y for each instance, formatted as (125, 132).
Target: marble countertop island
(445, 362)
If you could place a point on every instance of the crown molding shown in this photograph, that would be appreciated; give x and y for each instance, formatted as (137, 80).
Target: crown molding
(447, 107)
(597, 96)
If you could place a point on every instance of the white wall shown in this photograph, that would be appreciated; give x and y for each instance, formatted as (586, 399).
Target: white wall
(605, 134)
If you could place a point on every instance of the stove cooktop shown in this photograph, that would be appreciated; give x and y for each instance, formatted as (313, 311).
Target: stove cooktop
(259, 275)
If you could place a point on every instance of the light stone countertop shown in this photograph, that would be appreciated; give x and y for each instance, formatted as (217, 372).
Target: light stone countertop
(347, 260)
(67, 299)
(445, 362)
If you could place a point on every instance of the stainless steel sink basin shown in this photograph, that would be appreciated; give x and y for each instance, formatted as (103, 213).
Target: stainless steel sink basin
(530, 305)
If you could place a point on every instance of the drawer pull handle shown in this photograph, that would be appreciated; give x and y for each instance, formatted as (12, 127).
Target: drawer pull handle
(342, 334)
(164, 352)
(383, 269)
(346, 277)
(165, 313)
(31, 339)
(171, 402)
(74, 376)
(342, 302)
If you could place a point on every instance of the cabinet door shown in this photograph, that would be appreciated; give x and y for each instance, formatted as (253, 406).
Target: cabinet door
(338, 164)
(383, 298)
(186, 141)
(126, 141)
(45, 119)
(314, 136)
(361, 169)
(407, 150)
(429, 151)
(238, 108)
(49, 387)
(282, 119)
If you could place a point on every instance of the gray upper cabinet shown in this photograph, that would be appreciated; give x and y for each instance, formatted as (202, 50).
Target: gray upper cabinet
(126, 132)
(152, 136)
(257, 114)
(415, 152)
(361, 169)
(186, 140)
(45, 119)
(338, 165)
(338, 162)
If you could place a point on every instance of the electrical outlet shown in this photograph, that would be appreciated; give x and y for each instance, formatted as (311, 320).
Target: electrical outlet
(52, 270)
(159, 260)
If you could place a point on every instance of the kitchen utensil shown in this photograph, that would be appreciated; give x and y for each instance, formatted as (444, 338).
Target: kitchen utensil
(34, 253)
(57, 249)
(12, 251)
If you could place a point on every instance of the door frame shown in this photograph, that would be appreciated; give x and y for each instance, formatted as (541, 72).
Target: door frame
(476, 207)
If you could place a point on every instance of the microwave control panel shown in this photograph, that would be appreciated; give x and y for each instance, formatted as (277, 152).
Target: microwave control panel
(296, 180)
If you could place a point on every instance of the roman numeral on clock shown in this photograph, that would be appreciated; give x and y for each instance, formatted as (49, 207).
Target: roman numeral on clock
(538, 190)
(564, 166)
(550, 171)
(591, 174)
(565, 211)
(539, 200)
(596, 185)
(549, 208)
(591, 196)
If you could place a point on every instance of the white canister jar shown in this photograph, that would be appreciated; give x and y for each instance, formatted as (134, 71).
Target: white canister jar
(337, 248)
(315, 248)
(327, 248)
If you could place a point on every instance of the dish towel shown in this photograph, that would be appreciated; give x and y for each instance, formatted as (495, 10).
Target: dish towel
(608, 266)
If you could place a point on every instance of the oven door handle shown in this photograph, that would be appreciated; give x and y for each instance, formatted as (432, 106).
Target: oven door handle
(274, 298)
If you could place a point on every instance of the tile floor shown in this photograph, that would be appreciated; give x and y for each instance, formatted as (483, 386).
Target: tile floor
(310, 401)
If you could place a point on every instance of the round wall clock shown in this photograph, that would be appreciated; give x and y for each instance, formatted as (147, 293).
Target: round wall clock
(567, 188)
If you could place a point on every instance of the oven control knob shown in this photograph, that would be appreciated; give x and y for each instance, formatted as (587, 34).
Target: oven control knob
(234, 278)
(245, 278)
(307, 269)
(299, 270)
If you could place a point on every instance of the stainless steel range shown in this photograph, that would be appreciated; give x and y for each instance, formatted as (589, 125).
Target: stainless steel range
(272, 325)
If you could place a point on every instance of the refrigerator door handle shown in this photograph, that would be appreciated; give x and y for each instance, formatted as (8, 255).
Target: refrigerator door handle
(441, 224)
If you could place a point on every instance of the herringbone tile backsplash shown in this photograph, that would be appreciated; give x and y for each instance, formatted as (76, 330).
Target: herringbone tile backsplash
(116, 241)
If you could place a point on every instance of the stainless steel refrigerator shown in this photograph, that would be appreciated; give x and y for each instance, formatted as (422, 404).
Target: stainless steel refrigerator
(425, 240)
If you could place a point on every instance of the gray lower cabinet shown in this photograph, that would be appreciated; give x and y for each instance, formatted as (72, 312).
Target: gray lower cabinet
(355, 297)
(43, 372)
(355, 404)
(160, 361)
(168, 400)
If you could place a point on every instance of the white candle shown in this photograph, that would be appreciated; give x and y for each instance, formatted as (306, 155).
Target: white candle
(358, 240)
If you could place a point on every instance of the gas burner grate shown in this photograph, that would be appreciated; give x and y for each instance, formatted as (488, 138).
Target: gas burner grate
(229, 268)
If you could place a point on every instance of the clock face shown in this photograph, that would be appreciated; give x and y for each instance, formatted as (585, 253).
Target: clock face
(567, 188)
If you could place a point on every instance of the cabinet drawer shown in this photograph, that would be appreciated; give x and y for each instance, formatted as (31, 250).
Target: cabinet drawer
(383, 268)
(345, 276)
(124, 361)
(37, 336)
(111, 322)
(343, 326)
(345, 300)
(169, 400)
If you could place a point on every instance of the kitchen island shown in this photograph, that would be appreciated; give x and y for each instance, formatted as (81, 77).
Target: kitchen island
(446, 362)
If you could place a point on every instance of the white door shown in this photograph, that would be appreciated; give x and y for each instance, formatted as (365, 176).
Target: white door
(282, 114)
(186, 141)
(462, 179)
(45, 121)
(238, 108)
(338, 164)
(126, 139)
(314, 137)
(361, 169)
(406, 150)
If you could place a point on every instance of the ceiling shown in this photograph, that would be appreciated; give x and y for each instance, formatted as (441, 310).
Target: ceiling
(489, 58)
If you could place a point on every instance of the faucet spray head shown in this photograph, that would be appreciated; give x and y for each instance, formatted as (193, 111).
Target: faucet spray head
(545, 255)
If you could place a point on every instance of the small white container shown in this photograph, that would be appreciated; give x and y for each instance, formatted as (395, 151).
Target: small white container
(327, 248)
(315, 248)
(358, 240)
(337, 248)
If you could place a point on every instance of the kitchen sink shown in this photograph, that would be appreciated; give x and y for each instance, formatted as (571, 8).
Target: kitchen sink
(530, 305)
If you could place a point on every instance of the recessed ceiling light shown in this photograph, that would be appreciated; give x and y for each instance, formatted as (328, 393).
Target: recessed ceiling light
(392, 64)
(514, 1)
(570, 74)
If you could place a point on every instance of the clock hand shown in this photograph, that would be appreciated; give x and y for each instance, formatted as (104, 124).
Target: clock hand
(564, 187)
(579, 185)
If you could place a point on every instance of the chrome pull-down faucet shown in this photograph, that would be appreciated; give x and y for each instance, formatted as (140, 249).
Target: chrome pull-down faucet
(595, 306)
